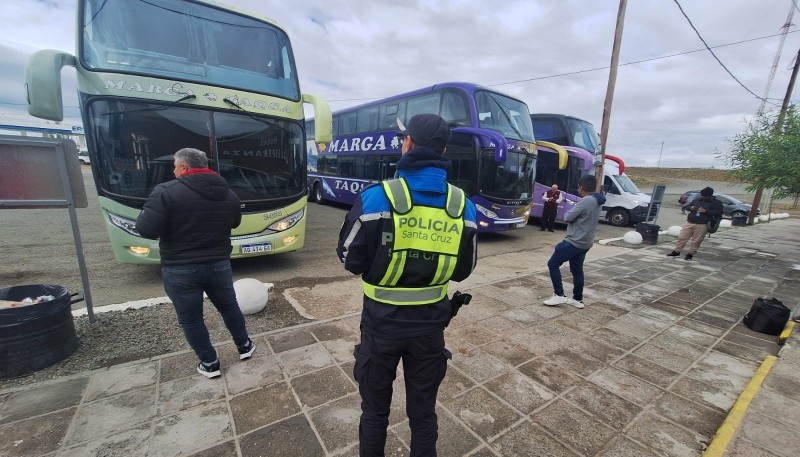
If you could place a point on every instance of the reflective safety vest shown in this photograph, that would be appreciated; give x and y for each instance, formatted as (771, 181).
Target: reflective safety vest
(428, 230)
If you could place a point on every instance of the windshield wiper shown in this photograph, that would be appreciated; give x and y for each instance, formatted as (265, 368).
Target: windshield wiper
(154, 108)
(503, 110)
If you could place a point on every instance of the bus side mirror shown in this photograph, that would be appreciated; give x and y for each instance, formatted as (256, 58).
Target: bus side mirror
(43, 83)
(323, 118)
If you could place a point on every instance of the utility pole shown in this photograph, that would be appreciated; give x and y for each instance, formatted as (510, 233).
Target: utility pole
(778, 125)
(612, 81)
(659, 155)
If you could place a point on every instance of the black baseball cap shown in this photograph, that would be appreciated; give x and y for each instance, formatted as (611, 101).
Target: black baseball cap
(428, 130)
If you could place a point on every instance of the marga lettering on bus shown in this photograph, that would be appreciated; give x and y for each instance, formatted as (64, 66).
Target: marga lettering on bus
(367, 143)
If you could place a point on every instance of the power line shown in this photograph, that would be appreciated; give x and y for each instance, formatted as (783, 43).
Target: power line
(597, 68)
(712, 52)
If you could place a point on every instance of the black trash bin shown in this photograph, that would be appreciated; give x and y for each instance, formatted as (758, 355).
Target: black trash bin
(738, 221)
(649, 232)
(35, 336)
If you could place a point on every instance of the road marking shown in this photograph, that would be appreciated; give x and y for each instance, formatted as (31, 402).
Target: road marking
(727, 430)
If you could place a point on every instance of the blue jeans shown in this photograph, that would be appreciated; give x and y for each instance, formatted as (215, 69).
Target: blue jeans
(564, 252)
(185, 285)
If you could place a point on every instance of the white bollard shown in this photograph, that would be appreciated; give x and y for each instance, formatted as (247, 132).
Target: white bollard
(251, 295)
(632, 238)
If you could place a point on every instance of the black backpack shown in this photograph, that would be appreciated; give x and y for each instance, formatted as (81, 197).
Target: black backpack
(713, 224)
(767, 315)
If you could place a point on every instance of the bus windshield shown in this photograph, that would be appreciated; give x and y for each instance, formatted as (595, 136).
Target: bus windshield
(583, 135)
(510, 180)
(504, 115)
(180, 40)
(262, 159)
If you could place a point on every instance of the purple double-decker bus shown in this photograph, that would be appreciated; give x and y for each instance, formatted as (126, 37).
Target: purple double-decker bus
(566, 148)
(493, 150)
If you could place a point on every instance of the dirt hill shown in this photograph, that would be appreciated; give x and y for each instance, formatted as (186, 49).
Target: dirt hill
(649, 176)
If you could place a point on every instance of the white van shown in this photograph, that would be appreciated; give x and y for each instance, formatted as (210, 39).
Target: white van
(625, 203)
(83, 157)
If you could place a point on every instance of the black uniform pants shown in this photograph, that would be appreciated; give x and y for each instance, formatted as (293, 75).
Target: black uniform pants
(424, 366)
(549, 217)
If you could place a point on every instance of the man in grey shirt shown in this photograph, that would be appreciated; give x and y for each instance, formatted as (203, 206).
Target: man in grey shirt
(581, 225)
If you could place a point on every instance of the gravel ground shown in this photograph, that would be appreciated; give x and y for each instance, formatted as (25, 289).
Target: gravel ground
(123, 336)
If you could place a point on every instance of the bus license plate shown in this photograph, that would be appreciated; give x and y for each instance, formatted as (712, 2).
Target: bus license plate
(521, 224)
(253, 248)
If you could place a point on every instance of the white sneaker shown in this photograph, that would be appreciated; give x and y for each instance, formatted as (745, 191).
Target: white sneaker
(576, 303)
(556, 300)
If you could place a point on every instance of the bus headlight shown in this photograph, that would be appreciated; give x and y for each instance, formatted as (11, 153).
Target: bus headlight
(640, 203)
(486, 212)
(126, 225)
(287, 222)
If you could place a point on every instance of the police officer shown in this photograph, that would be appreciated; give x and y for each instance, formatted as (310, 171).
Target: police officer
(407, 238)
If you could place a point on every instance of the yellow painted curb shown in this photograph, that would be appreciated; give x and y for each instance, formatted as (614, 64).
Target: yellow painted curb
(728, 428)
(787, 331)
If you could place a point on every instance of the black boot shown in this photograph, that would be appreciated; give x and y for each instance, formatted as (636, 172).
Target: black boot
(688, 257)
(674, 254)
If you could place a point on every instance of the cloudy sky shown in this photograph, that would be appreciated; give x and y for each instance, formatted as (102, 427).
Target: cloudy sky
(552, 54)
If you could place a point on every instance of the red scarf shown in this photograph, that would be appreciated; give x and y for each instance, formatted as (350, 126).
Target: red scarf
(195, 171)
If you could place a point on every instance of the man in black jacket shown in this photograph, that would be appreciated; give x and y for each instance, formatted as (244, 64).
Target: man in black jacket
(702, 210)
(192, 217)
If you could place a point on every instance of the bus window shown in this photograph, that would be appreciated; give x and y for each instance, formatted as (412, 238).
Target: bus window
(389, 114)
(428, 103)
(584, 135)
(346, 166)
(372, 167)
(327, 164)
(335, 125)
(454, 109)
(388, 166)
(347, 124)
(367, 119)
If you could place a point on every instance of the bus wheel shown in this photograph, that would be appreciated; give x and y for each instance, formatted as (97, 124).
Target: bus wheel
(318, 193)
(618, 217)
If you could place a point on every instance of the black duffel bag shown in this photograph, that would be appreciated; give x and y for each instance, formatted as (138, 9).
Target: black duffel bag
(767, 315)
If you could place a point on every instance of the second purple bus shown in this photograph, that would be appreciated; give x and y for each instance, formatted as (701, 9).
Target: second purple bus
(493, 150)
(577, 140)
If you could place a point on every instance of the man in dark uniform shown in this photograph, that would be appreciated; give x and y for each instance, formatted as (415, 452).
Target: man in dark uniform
(192, 217)
(407, 238)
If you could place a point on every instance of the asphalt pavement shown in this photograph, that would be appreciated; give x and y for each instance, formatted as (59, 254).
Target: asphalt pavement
(655, 364)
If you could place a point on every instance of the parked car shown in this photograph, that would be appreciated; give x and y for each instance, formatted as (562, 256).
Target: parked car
(730, 206)
(688, 196)
(83, 157)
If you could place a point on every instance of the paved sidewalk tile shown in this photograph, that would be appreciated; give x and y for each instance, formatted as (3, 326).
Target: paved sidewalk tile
(651, 366)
